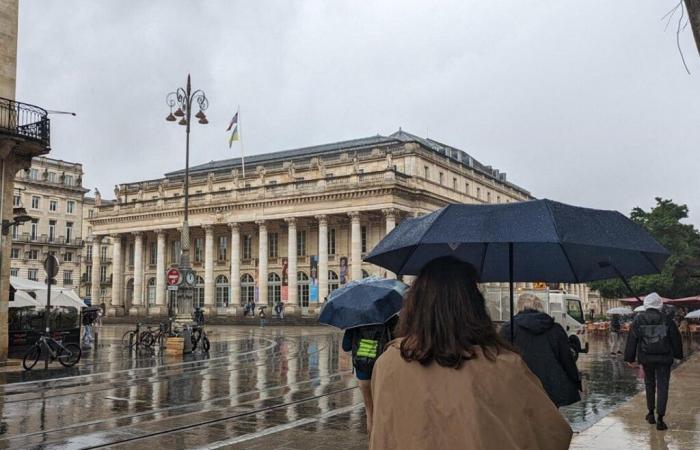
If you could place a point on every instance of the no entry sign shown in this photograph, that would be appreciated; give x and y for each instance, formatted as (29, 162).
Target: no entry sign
(173, 277)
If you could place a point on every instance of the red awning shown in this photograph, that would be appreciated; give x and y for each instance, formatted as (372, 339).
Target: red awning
(634, 301)
(685, 301)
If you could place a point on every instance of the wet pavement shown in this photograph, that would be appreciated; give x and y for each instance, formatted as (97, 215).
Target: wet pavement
(266, 388)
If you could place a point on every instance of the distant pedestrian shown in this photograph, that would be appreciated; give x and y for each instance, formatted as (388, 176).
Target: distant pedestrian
(279, 309)
(451, 382)
(615, 334)
(366, 345)
(654, 341)
(263, 316)
(545, 348)
(89, 317)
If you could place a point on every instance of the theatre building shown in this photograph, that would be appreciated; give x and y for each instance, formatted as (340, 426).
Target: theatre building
(292, 225)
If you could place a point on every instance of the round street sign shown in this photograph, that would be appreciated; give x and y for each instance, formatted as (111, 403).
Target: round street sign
(51, 266)
(173, 277)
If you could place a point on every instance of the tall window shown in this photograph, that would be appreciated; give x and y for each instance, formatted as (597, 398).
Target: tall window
(16, 200)
(68, 257)
(51, 177)
(131, 254)
(478, 193)
(52, 230)
(88, 252)
(333, 281)
(363, 234)
(103, 252)
(15, 232)
(247, 246)
(103, 274)
(33, 274)
(53, 205)
(199, 293)
(68, 180)
(222, 291)
(198, 244)
(247, 289)
(272, 239)
(14, 253)
(34, 229)
(466, 188)
(70, 206)
(223, 248)
(69, 232)
(151, 291)
(152, 252)
(426, 172)
(33, 174)
(14, 272)
(174, 252)
(67, 277)
(331, 241)
(303, 288)
(33, 254)
(274, 289)
(35, 202)
(88, 274)
(301, 243)
(441, 177)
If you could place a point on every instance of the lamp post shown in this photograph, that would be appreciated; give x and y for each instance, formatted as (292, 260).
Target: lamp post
(184, 99)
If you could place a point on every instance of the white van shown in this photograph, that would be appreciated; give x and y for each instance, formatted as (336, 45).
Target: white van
(565, 309)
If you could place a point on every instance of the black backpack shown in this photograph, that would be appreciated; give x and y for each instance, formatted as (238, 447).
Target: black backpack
(654, 339)
(368, 344)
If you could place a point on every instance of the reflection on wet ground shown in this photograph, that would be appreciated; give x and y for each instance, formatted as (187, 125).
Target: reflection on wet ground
(258, 388)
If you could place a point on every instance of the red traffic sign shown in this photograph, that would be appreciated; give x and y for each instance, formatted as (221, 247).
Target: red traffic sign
(173, 277)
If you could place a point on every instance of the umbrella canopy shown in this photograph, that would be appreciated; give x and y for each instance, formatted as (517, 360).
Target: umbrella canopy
(549, 241)
(371, 301)
(621, 310)
(23, 300)
(693, 314)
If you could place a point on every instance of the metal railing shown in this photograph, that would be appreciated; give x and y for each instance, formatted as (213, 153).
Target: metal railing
(25, 120)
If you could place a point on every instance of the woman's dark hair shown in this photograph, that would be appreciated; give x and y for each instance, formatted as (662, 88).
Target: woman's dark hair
(444, 316)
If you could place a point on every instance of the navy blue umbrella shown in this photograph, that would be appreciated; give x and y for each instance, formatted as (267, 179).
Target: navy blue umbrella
(371, 301)
(539, 240)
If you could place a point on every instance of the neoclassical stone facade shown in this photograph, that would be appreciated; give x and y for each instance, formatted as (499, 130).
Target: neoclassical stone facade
(294, 228)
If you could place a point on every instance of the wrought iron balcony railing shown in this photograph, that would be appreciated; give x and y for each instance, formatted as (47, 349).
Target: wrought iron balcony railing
(24, 120)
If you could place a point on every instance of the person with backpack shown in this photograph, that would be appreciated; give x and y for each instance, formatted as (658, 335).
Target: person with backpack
(615, 334)
(366, 344)
(654, 341)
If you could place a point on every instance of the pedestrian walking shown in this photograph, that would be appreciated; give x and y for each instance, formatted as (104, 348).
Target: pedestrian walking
(279, 309)
(654, 341)
(544, 346)
(262, 315)
(615, 334)
(89, 317)
(450, 381)
(366, 344)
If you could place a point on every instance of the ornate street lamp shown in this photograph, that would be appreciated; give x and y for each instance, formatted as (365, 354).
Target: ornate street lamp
(185, 100)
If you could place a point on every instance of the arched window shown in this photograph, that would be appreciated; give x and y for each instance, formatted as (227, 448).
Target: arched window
(198, 294)
(303, 288)
(274, 289)
(365, 274)
(222, 291)
(129, 293)
(247, 288)
(333, 281)
(151, 291)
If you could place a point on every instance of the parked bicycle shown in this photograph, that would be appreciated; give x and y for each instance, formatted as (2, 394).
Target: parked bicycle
(149, 338)
(68, 355)
(200, 339)
(134, 338)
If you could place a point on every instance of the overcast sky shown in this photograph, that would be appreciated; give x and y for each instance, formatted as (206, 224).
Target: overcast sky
(582, 102)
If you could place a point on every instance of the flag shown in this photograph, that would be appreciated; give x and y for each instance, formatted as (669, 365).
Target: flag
(234, 136)
(234, 121)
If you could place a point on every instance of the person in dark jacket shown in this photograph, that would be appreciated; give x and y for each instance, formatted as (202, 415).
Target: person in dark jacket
(544, 347)
(615, 336)
(654, 341)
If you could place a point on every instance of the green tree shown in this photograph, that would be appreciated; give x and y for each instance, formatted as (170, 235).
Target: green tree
(663, 221)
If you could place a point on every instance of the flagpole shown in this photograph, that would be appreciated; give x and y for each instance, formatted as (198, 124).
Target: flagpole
(240, 135)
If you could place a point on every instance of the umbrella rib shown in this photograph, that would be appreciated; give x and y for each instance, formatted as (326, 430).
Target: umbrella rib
(483, 259)
(650, 261)
(568, 261)
(556, 230)
(403, 266)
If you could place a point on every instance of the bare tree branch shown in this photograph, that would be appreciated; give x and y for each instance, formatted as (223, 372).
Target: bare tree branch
(678, 39)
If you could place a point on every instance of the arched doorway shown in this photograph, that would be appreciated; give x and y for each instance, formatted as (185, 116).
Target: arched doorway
(198, 293)
(333, 281)
(303, 289)
(274, 288)
(129, 294)
(222, 296)
(247, 288)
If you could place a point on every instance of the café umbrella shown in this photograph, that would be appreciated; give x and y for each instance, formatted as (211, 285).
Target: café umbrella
(371, 301)
(538, 240)
(620, 310)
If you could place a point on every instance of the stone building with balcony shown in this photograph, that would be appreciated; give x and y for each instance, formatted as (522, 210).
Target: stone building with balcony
(102, 247)
(52, 194)
(293, 228)
(24, 134)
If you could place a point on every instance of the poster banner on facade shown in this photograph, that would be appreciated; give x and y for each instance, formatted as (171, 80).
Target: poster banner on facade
(343, 269)
(285, 272)
(313, 283)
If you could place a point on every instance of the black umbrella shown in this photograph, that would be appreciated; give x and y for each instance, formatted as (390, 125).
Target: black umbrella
(539, 240)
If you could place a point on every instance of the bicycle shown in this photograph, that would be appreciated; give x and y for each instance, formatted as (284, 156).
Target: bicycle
(149, 338)
(199, 335)
(133, 338)
(68, 355)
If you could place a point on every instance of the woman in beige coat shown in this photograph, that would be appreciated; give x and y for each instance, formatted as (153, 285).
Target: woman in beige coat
(450, 381)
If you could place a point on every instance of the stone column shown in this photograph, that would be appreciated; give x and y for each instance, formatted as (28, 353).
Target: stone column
(209, 300)
(292, 299)
(262, 262)
(137, 306)
(322, 257)
(390, 223)
(235, 266)
(355, 246)
(95, 285)
(117, 304)
(160, 272)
